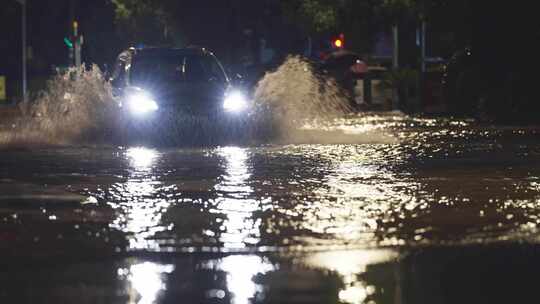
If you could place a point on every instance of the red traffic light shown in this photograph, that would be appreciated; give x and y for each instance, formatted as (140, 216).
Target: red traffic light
(339, 41)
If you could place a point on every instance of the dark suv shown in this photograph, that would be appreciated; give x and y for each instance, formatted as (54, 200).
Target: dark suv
(191, 80)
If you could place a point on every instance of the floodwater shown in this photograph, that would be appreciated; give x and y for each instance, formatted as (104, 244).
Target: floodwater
(372, 208)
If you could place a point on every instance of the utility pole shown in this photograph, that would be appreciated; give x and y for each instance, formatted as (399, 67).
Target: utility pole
(77, 43)
(23, 34)
(71, 54)
(395, 64)
(423, 46)
(422, 80)
(395, 54)
(422, 75)
(24, 76)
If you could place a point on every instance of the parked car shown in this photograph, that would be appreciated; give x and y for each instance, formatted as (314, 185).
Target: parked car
(344, 64)
(346, 68)
(361, 78)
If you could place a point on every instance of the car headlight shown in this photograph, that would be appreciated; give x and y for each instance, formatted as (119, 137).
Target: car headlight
(141, 103)
(235, 102)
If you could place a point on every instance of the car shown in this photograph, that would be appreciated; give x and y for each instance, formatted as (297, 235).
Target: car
(360, 77)
(153, 80)
(346, 68)
(344, 64)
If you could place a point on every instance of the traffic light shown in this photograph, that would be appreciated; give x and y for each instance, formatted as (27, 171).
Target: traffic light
(68, 42)
(339, 42)
(74, 43)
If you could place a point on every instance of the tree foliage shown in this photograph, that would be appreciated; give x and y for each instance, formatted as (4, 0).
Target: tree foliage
(313, 15)
(138, 21)
(361, 20)
(323, 15)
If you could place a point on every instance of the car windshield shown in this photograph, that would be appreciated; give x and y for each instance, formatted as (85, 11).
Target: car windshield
(175, 68)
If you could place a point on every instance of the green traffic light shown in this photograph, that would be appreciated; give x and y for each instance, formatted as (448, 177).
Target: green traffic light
(68, 42)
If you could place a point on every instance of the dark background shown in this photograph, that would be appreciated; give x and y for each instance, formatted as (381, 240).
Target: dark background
(503, 34)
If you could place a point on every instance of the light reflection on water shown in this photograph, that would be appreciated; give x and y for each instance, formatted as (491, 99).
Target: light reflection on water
(142, 159)
(355, 198)
(240, 227)
(241, 270)
(141, 213)
(350, 265)
(141, 218)
(443, 183)
(434, 185)
(146, 281)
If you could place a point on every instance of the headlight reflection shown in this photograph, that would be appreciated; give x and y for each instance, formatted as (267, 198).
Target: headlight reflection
(350, 265)
(141, 211)
(145, 281)
(240, 273)
(240, 228)
(141, 158)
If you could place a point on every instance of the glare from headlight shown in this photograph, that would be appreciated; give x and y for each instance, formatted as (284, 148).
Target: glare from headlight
(140, 103)
(235, 102)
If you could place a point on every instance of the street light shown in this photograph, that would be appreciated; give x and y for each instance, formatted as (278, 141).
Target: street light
(23, 21)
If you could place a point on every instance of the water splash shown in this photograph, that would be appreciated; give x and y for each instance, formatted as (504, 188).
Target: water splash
(76, 106)
(297, 91)
(293, 104)
(294, 94)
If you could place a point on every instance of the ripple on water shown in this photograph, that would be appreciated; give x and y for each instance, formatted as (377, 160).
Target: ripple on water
(439, 182)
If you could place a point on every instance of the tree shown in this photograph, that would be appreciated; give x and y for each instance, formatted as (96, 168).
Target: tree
(314, 16)
(360, 20)
(171, 22)
(138, 21)
(324, 15)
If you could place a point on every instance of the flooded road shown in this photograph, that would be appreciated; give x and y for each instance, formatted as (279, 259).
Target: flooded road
(373, 208)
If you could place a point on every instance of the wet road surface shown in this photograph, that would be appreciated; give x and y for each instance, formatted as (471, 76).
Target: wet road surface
(378, 208)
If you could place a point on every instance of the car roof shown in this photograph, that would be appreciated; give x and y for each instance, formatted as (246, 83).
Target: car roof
(164, 51)
(342, 52)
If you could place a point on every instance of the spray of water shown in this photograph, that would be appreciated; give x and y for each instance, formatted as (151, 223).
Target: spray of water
(78, 108)
(297, 92)
(298, 104)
